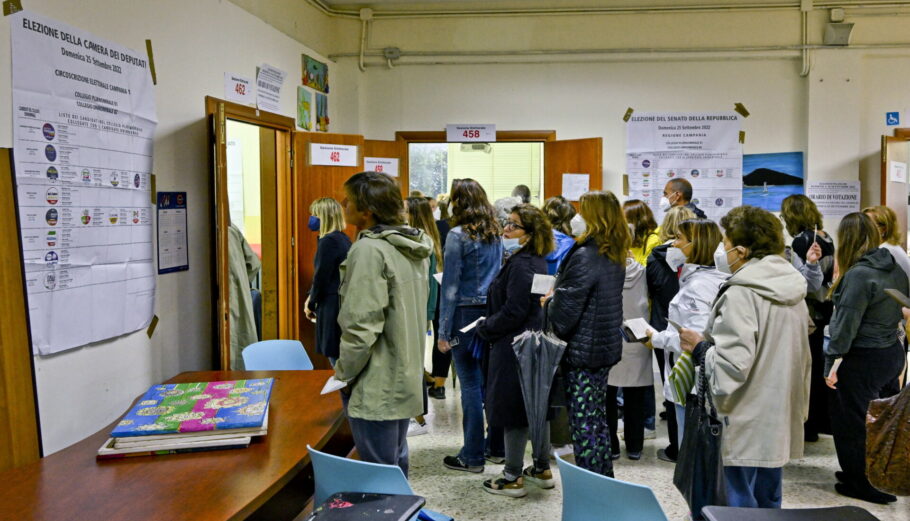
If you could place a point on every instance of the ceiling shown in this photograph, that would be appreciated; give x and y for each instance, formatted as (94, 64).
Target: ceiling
(549, 5)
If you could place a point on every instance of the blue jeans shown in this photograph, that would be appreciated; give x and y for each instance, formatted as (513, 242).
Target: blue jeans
(470, 378)
(754, 487)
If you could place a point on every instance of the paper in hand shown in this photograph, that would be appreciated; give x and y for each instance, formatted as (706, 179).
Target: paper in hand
(542, 284)
(637, 329)
(438, 277)
(834, 366)
(332, 384)
(472, 325)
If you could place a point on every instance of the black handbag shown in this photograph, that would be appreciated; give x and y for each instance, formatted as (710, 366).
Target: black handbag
(699, 474)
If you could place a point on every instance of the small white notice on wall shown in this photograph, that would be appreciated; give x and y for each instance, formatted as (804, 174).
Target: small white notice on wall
(383, 165)
(268, 88)
(834, 198)
(326, 154)
(574, 185)
(897, 171)
(239, 89)
(462, 133)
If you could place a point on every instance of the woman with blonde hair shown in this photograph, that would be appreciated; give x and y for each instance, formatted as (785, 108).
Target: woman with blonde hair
(327, 218)
(885, 220)
(585, 310)
(662, 275)
(864, 337)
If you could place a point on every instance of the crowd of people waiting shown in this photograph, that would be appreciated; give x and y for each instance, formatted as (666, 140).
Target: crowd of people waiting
(793, 340)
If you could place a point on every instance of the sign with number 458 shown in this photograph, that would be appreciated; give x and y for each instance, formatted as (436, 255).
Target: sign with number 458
(461, 133)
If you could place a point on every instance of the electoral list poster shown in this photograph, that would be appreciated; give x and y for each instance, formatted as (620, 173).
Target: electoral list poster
(702, 148)
(83, 124)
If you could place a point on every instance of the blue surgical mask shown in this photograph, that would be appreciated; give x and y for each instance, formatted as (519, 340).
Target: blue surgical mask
(510, 244)
(313, 224)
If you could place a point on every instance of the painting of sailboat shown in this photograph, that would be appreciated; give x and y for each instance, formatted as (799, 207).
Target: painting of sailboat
(769, 178)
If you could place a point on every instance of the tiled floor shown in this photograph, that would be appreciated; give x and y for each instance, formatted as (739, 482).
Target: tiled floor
(807, 483)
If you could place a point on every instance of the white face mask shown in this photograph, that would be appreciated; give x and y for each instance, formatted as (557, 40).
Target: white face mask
(675, 258)
(437, 214)
(510, 244)
(664, 204)
(720, 259)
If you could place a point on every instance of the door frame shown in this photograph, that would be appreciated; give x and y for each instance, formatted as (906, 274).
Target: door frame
(406, 137)
(218, 111)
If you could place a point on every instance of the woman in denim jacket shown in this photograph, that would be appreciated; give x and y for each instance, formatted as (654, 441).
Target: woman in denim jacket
(473, 254)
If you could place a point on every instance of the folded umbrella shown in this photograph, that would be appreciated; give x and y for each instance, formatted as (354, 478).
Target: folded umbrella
(538, 356)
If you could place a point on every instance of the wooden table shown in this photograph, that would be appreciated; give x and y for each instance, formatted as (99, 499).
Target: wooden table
(216, 485)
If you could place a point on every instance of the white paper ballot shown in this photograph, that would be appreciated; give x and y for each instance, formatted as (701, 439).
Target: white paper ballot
(472, 325)
(332, 384)
(438, 277)
(542, 284)
(638, 326)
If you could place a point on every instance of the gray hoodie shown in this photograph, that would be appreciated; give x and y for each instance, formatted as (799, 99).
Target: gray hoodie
(865, 317)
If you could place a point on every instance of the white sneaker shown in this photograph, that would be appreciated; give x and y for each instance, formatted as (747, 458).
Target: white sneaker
(562, 450)
(416, 429)
(650, 434)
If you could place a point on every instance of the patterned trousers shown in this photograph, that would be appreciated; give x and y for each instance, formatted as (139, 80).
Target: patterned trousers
(586, 397)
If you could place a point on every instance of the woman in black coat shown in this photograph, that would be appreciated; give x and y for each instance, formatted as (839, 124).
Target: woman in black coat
(586, 311)
(511, 310)
(327, 218)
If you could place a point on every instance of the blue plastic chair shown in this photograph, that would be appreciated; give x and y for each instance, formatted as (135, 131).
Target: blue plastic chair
(588, 496)
(335, 474)
(276, 355)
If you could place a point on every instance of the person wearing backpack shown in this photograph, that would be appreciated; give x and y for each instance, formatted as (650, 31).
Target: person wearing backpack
(804, 223)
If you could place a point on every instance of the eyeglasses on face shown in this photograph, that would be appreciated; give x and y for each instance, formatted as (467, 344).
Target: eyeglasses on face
(513, 225)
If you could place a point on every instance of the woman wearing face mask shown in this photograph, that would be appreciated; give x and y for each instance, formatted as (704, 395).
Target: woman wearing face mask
(327, 218)
(662, 275)
(864, 338)
(586, 311)
(755, 351)
(699, 282)
(511, 310)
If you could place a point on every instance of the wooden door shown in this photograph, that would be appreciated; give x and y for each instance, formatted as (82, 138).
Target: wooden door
(280, 299)
(389, 149)
(572, 156)
(313, 182)
(19, 443)
(894, 193)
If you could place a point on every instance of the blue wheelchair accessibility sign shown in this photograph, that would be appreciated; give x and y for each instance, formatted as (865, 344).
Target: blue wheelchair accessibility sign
(892, 118)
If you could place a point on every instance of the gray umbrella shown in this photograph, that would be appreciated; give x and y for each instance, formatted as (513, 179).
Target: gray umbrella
(538, 355)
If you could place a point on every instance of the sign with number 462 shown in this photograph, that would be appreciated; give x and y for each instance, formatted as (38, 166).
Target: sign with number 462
(461, 133)
(333, 155)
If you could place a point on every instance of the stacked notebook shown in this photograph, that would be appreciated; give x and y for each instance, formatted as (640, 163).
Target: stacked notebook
(192, 417)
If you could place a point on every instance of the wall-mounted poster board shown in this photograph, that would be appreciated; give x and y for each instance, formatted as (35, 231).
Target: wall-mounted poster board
(83, 127)
(172, 237)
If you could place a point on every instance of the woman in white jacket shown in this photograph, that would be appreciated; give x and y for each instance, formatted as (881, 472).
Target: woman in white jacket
(699, 283)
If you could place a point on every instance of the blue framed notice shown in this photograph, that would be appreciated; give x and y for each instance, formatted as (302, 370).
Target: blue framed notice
(172, 240)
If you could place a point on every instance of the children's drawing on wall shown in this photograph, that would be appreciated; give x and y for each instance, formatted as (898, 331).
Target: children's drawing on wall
(315, 74)
(304, 108)
(769, 178)
(322, 112)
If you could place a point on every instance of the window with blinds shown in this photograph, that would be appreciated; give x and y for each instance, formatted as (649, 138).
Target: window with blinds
(498, 167)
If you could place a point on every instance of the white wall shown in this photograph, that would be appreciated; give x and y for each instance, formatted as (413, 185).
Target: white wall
(81, 390)
(588, 99)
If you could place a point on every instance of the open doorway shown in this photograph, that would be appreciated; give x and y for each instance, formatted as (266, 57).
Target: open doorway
(253, 195)
(498, 167)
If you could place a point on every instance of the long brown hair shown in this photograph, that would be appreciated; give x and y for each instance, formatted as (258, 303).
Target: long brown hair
(857, 235)
(420, 216)
(536, 225)
(560, 212)
(606, 224)
(642, 220)
(472, 211)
